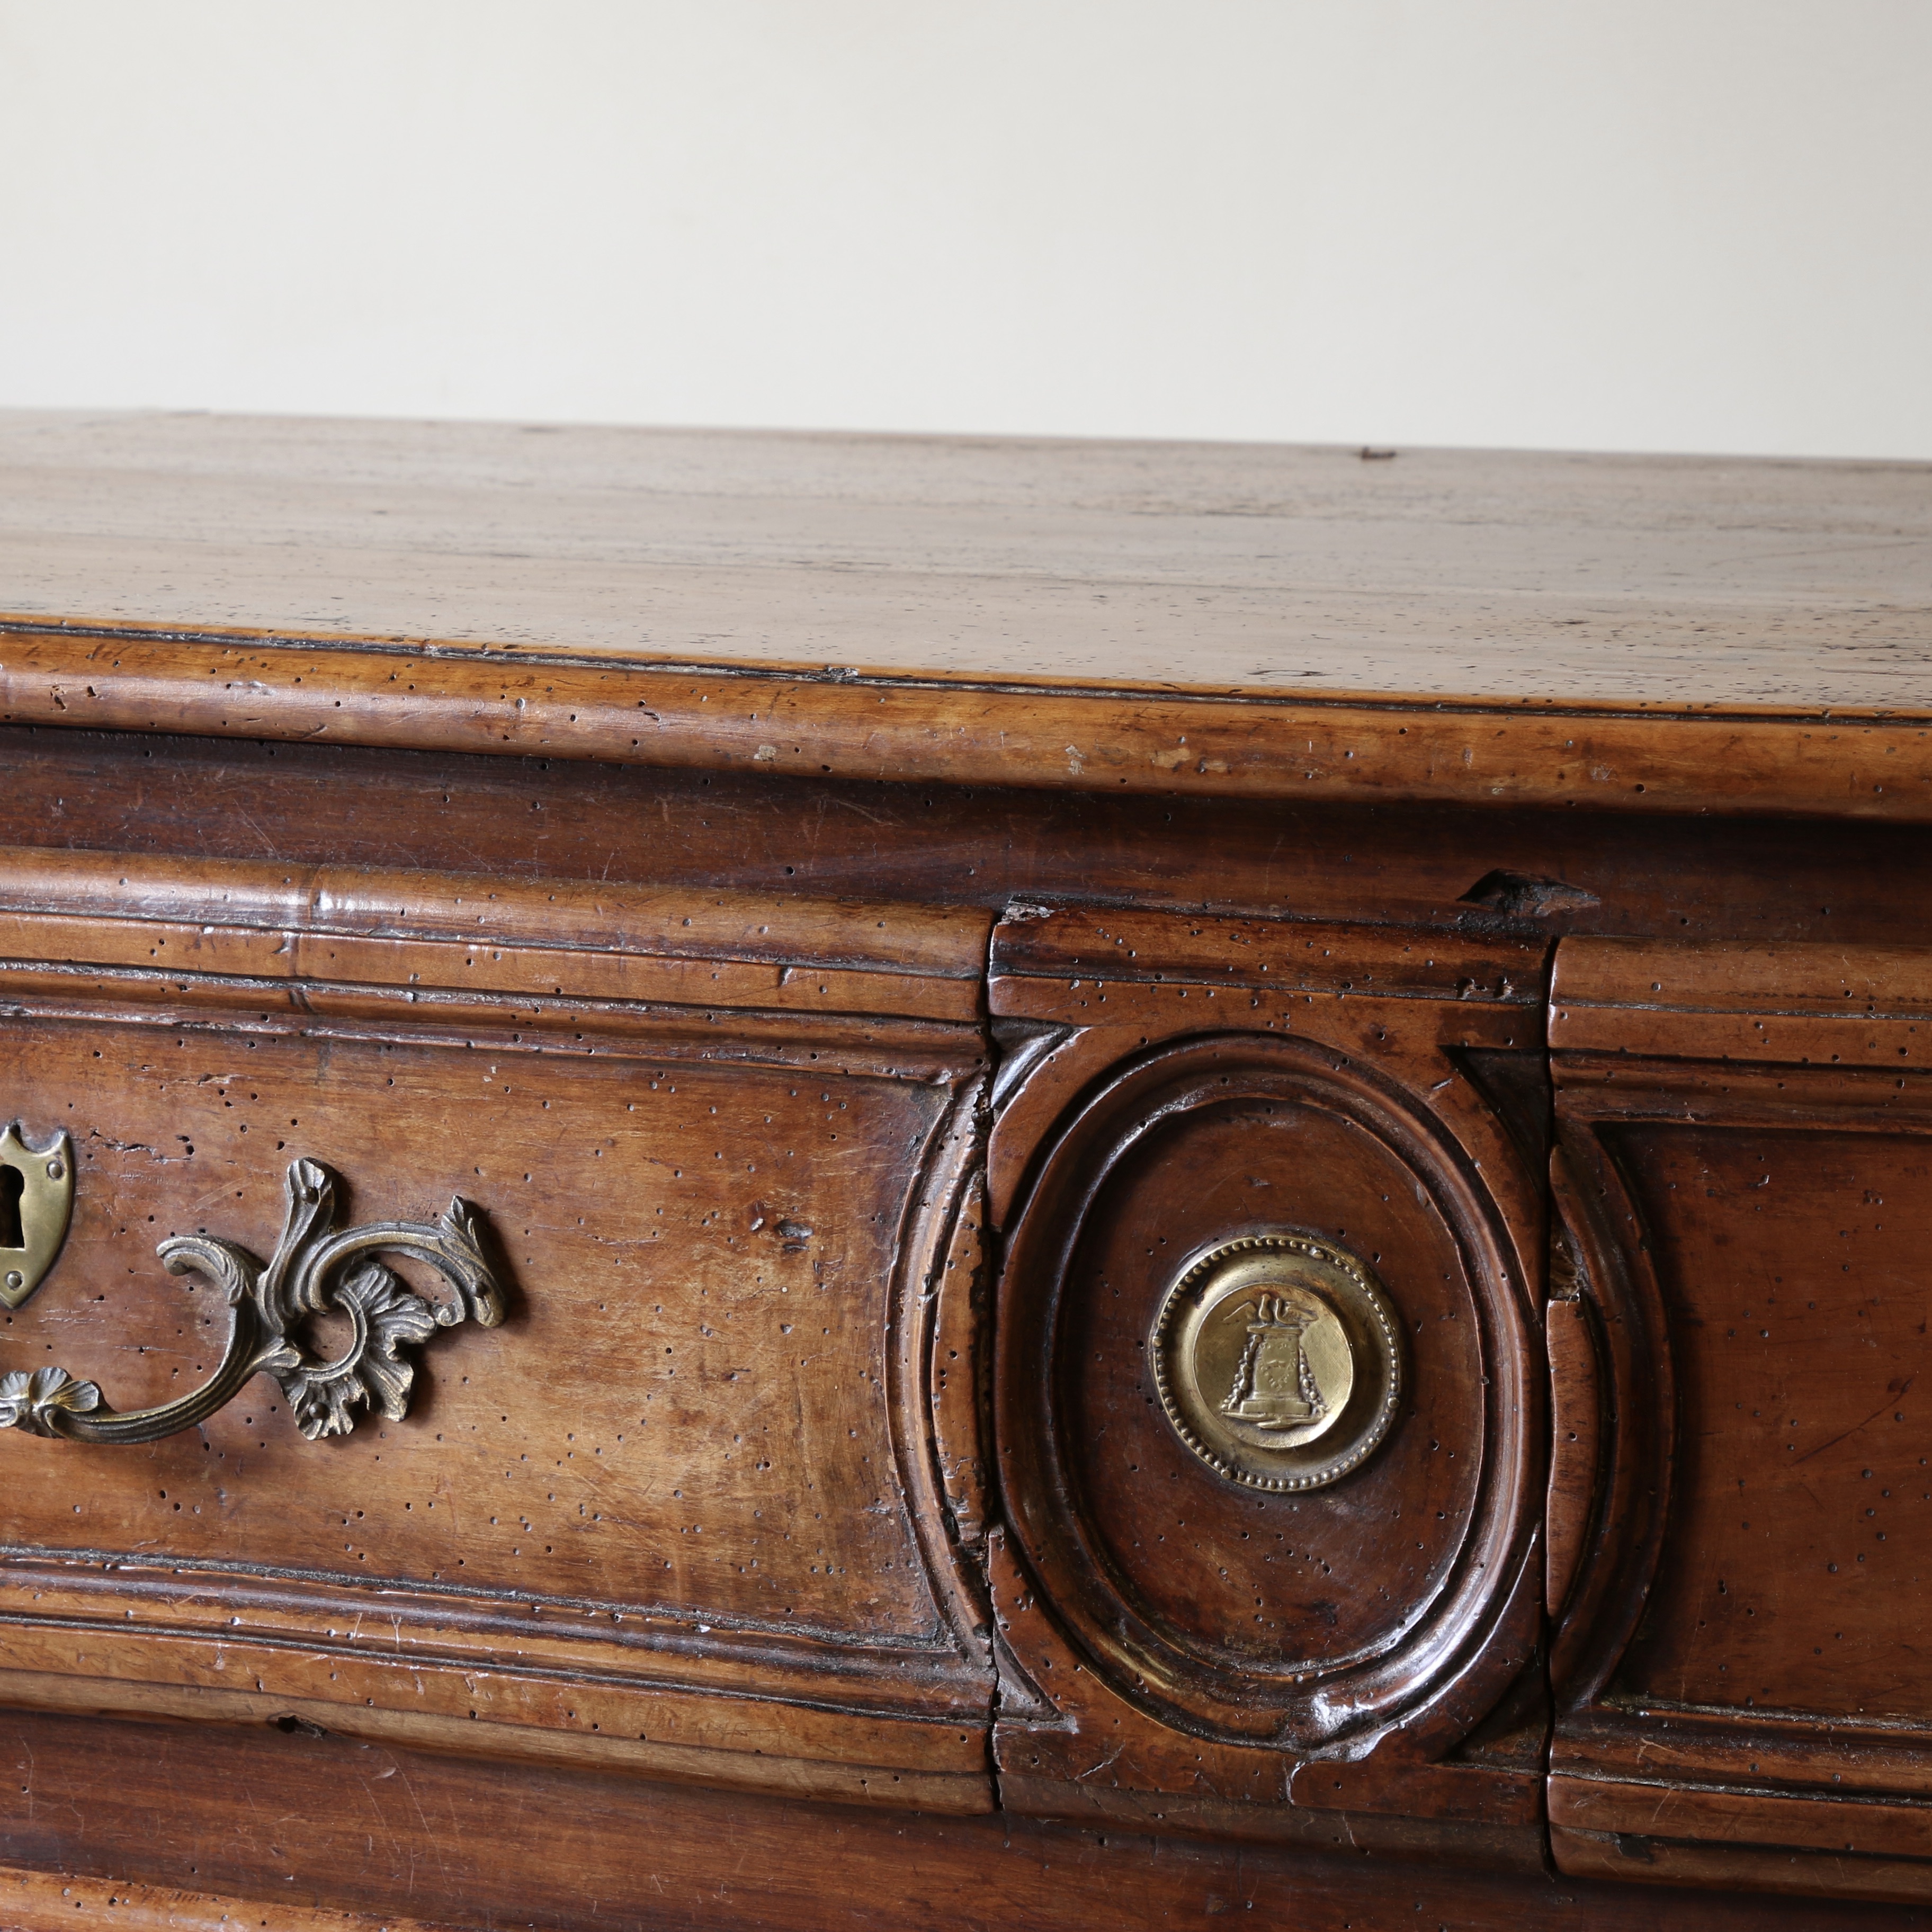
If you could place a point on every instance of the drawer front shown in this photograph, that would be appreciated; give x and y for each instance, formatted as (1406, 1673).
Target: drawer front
(683, 1503)
(1747, 1148)
(1269, 1386)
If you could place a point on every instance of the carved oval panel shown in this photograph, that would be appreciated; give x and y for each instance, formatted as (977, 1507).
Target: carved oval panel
(1262, 1337)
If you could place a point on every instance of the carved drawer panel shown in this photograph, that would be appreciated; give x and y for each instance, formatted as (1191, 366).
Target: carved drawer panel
(1268, 1392)
(589, 1245)
(1745, 1186)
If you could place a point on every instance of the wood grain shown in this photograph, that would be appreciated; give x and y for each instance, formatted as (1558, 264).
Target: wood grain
(1878, 1850)
(1794, 1569)
(1769, 880)
(1672, 581)
(1870, 764)
(464, 933)
(1735, 1870)
(852, 912)
(1629, 635)
(1746, 1132)
(687, 1497)
(1576, 1420)
(33, 1901)
(1099, 952)
(1869, 1005)
(1173, 1634)
(290, 1821)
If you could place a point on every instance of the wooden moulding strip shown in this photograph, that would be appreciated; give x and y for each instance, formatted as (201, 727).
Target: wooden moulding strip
(684, 922)
(1121, 947)
(862, 1045)
(93, 1667)
(43, 1901)
(1715, 999)
(1750, 1749)
(448, 932)
(1807, 979)
(1177, 1007)
(117, 1615)
(757, 1761)
(1840, 1884)
(1170, 740)
(1577, 1419)
(1860, 1826)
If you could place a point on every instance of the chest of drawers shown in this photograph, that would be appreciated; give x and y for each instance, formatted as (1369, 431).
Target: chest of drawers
(804, 1180)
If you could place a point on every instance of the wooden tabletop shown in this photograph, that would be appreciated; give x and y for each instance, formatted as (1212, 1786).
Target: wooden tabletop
(1275, 585)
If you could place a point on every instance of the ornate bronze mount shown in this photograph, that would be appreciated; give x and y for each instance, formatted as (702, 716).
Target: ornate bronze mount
(317, 1269)
(1278, 1359)
(36, 1203)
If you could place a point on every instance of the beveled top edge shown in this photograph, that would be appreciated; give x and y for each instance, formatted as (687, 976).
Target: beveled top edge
(486, 655)
(766, 722)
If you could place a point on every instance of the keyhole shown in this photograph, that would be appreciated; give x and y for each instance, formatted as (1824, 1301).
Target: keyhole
(13, 1185)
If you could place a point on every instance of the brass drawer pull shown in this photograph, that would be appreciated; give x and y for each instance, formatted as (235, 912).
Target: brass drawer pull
(317, 1268)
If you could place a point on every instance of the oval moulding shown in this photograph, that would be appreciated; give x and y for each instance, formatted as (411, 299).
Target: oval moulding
(1296, 1617)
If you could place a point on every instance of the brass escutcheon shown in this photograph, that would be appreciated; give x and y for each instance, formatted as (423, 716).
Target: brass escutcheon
(36, 1205)
(1278, 1359)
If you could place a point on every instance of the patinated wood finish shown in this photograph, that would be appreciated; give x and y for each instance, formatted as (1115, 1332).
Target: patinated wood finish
(894, 942)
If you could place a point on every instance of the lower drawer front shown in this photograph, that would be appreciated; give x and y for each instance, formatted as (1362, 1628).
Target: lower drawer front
(681, 1504)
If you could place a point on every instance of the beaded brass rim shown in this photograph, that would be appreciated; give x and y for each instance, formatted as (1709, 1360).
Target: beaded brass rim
(1278, 1359)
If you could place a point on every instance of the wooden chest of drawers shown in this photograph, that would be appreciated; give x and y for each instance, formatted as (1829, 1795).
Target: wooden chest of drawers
(814, 1181)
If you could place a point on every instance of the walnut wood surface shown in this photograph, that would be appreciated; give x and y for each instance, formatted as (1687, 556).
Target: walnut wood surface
(280, 1820)
(681, 1507)
(1576, 1436)
(1748, 1131)
(1178, 742)
(1647, 581)
(1646, 636)
(944, 844)
(37, 1901)
(1210, 1077)
(854, 914)
(458, 933)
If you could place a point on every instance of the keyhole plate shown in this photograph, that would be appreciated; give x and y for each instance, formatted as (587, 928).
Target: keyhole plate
(43, 1205)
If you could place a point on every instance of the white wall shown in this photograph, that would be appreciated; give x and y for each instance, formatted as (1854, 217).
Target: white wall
(1662, 224)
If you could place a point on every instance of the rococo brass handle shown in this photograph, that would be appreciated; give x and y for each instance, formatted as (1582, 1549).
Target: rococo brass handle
(317, 1268)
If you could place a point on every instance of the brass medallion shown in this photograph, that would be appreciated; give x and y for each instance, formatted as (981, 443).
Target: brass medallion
(1278, 1359)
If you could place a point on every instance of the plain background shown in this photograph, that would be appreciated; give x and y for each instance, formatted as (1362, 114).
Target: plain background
(1627, 224)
